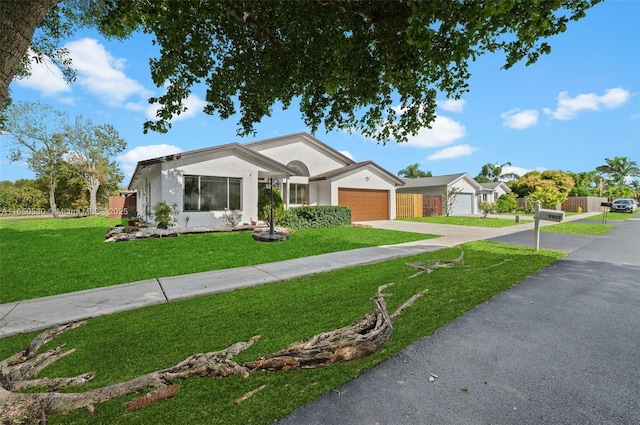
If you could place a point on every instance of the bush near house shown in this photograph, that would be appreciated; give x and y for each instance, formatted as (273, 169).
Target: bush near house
(507, 203)
(309, 217)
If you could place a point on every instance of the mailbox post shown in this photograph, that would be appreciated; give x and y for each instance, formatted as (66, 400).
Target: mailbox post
(548, 215)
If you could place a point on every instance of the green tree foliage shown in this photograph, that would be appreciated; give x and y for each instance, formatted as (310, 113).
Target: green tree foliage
(413, 171)
(264, 205)
(535, 180)
(22, 194)
(586, 183)
(507, 203)
(34, 131)
(548, 195)
(493, 173)
(370, 66)
(91, 148)
(620, 171)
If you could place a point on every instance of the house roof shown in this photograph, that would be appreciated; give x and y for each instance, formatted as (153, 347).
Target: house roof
(241, 149)
(493, 185)
(355, 166)
(439, 181)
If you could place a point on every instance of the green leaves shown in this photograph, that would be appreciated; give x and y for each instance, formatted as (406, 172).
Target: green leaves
(353, 65)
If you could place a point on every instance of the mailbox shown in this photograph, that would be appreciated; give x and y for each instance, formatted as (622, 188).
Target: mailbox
(550, 215)
(605, 204)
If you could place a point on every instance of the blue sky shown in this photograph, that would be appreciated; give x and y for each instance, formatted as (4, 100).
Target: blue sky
(569, 111)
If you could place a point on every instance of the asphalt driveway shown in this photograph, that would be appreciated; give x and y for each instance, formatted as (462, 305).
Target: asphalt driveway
(561, 347)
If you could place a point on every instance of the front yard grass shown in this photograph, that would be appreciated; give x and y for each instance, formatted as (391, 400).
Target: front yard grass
(124, 345)
(576, 228)
(49, 257)
(465, 221)
(613, 216)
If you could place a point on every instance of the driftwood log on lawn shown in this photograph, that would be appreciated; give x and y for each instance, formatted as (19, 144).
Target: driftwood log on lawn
(360, 339)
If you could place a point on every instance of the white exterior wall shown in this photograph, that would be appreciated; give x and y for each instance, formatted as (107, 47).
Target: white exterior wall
(316, 161)
(170, 188)
(467, 188)
(366, 178)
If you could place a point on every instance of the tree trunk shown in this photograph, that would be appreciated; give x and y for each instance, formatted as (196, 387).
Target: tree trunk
(93, 184)
(18, 22)
(52, 197)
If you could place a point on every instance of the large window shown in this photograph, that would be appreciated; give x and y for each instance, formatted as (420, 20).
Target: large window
(206, 193)
(298, 193)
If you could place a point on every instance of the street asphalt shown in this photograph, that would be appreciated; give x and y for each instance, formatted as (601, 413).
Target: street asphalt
(561, 347)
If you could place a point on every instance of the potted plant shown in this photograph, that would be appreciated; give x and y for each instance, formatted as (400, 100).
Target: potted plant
(132, 218)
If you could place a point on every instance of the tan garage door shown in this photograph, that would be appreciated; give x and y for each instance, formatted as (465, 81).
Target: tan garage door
(365, 204)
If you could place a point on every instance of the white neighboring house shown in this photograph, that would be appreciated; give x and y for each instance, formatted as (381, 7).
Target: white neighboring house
(207, 182)
(466, 200)
(492, 191)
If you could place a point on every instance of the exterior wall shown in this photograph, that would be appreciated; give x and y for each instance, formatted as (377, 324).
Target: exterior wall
(316, 160)
(226, 166)
(364, 179)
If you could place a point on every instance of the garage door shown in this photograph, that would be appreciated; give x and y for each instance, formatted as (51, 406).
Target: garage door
(365, 204)
(463, 204)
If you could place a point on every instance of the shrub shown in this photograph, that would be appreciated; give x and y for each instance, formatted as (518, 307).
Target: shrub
(264, 205)
(507, 203)
(165, 214)
(316, 216)
(487, 207)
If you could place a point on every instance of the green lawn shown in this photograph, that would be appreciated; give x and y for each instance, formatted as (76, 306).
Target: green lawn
(574, 228)
(124, 345)
(48, 257)
(613, 216)
(465, 221)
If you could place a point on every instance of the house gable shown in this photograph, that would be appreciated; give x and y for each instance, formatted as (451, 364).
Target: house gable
(316, 156)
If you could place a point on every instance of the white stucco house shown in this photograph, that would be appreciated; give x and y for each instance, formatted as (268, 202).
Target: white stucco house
(207, 182)
(466, 200)
(491, 191)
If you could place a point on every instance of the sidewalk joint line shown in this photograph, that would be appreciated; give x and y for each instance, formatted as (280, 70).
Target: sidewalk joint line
(12, 308)
(164, 294)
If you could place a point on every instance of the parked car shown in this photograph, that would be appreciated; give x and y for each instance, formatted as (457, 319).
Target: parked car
(624, 205)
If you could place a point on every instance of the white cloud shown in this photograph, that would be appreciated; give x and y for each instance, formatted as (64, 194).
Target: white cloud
(452, 105)
(568, 108)
(347, 154)
(130, 158)
(452, 152)
(518, 119)
(45, 78)
(193, 104)
(443, 131)
(102, 74)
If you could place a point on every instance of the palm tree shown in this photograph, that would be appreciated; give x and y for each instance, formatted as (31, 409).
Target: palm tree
(493, 173)
(619, 169)
(413, 171)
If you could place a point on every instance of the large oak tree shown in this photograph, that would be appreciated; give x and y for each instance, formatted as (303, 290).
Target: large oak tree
(370, 66)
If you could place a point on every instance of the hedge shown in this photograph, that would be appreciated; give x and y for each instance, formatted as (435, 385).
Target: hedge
(315, 216)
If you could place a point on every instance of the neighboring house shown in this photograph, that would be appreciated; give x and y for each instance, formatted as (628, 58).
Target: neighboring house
(207, 182)
(492, 191)
(466, 201)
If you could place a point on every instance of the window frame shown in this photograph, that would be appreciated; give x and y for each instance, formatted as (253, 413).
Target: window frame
(211, 179)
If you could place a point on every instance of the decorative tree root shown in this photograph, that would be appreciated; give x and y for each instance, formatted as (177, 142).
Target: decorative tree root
(430, 266)
(348, 343)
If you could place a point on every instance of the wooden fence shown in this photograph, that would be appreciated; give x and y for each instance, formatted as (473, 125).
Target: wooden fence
(409, 205)
(586, 203)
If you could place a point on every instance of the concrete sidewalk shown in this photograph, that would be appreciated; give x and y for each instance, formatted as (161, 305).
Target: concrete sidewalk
(41, 313)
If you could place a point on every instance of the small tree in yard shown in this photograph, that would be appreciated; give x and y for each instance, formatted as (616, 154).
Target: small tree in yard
(91, 148)
(450, 195)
